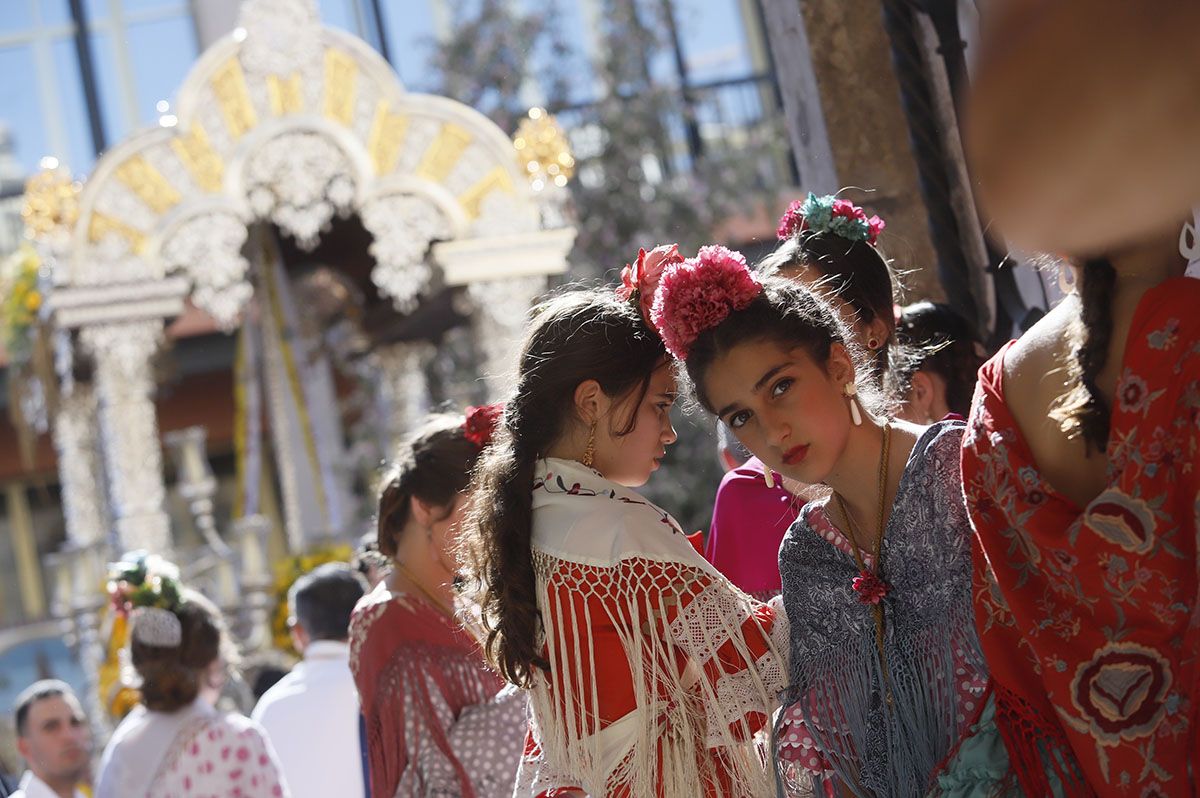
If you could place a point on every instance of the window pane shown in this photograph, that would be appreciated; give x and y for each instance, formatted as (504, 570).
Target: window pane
(134, 6)
(16, 16)
(714, 39)
(161, 53)
(81, 150)
(340, 14)
(21, 107)
(410, 34)
(108, 85)
(95, 9)
(52, 12)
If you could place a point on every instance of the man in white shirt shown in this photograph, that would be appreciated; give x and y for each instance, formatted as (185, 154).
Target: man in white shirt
(54, 739)
(311, 715)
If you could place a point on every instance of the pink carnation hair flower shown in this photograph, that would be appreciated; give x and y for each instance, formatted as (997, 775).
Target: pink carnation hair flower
(642, 276)
(791, 222)
(700, 293)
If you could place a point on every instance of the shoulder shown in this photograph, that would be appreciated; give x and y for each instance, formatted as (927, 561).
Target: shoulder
(279, 695)
(240, 728)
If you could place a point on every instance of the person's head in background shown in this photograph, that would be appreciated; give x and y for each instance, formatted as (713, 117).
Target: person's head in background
(320, 604)
(53, 735)
(828, 245)
(936, 376)
(370, 562)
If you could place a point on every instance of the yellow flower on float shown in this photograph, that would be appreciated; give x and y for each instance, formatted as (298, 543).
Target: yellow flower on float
(33, 301)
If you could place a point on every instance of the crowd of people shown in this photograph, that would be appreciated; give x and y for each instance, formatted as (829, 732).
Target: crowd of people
(903, 592)
(930, 571)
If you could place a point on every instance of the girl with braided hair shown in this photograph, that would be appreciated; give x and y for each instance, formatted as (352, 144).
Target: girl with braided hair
(1082, 474)
(437, 720)
(649, 674)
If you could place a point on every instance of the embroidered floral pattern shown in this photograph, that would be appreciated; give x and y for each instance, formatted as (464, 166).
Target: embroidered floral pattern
(1100, 603)
(1121, 691)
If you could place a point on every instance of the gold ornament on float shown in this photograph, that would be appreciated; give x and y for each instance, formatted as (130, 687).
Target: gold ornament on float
(543, 150)
(51, 200)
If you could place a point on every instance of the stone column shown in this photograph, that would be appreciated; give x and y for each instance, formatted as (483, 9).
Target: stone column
(402, 390)
(214, 19)
(80, 471)
(502, 309)
(123, 353)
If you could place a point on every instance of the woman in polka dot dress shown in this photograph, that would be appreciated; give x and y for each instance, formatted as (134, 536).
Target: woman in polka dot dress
(176, 744)
(889, 690)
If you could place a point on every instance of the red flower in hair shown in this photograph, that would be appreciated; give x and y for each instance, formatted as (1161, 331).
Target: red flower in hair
(700, 293)
(791, 222)
(643, 276)
(481, 423)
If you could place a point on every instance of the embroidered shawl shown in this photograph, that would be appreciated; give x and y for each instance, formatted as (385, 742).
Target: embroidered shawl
(1089, 615)
(662, 674)
(837, 729)
(438, 720)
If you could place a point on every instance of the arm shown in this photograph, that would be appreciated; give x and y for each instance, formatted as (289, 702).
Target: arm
(1083, 136)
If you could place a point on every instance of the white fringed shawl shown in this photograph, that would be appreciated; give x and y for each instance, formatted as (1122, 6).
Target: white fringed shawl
(638, 623)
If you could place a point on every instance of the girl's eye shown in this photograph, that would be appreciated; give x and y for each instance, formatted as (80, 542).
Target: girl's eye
(739, 419)
(780, 388)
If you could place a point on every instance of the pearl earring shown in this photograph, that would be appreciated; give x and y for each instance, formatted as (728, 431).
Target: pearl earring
(851, 391)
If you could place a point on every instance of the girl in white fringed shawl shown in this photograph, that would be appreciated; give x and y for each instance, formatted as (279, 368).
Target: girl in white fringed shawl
(649, 673)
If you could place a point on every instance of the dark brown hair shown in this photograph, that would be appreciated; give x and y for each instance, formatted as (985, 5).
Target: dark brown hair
(171, 677)
(792, 316)
(853, 270)
(434, 465)
(577, 336)
(941, 341)
(1083, 410)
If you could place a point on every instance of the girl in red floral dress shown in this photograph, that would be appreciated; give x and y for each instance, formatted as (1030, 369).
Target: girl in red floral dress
(1083, 483)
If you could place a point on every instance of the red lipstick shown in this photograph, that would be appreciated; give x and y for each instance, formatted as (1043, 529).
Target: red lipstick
(795, 455)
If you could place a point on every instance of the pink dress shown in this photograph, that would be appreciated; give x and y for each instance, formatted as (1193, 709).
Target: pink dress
(193, 753)
(749, 522)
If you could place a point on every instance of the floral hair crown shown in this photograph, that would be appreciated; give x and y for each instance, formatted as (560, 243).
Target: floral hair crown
(700, 293)
(639, 280)
(828, 214)
(146, 588)
(480, 426)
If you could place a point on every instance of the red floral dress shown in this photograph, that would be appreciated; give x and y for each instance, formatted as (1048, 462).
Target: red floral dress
(1088, 616)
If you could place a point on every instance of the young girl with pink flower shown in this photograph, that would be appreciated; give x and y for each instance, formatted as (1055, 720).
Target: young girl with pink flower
(649, 674)
(888, 690)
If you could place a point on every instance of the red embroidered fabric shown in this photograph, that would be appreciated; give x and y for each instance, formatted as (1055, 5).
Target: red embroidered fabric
(1088, 617)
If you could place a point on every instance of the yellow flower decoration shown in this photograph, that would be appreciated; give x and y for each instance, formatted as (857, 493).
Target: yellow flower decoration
(286, 574)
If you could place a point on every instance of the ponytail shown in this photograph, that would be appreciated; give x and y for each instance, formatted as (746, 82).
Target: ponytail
(1083, 410)
(577, 336)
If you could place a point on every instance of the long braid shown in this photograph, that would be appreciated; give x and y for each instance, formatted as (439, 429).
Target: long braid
(1083, 410)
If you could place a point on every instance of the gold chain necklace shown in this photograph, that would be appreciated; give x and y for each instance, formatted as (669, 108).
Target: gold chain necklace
(438, 604)
(870, 588)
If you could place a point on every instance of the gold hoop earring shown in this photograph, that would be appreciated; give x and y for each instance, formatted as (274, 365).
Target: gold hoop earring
(851, 391)
(589, 453)
(872, 344)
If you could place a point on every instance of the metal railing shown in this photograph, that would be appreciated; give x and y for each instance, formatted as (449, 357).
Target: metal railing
(691, 127)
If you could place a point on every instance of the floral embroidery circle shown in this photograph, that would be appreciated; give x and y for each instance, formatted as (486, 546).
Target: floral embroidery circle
(1121, 691)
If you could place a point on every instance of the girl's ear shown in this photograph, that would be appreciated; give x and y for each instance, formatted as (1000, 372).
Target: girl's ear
(878, 332)
(920, 395)
(590, 401)
(422, 512)
(839, 366)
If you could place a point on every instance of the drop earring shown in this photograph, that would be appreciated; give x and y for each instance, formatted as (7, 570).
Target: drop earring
(768, 477)
(851, 391)
(589, 453)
